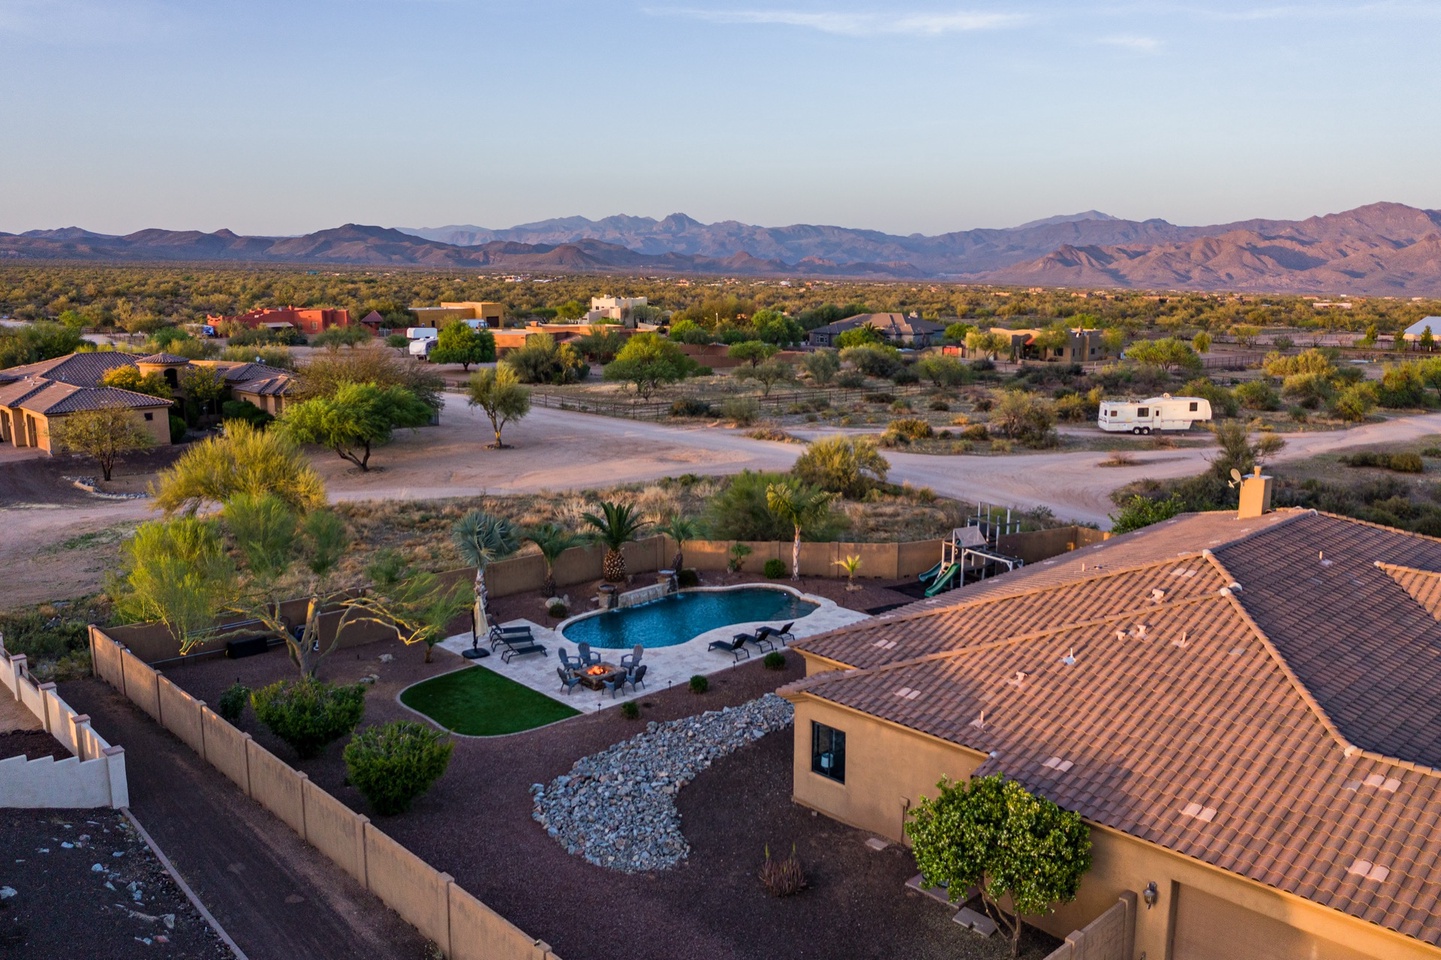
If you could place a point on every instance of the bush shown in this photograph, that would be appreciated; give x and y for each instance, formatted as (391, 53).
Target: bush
(42, 637)
(1257, 395)
(687, 578)
(1224, 403)
(850, 379)
(397, 340)
(394, 763)
(1140, 511)
(558, 610)
(699, 684)
(177, 429)
(231, 704)
(983, 365)
(309, 714)
(248, 412)
(849, 466)
(775, 568)
(905, 376)
(940, 406)
(743, 411)
(782, 878)
(873, 359)
(976, 433)
(1399, 462)
(690, 407)
(542, 360)
(910, 428)
(1022, 417)
(738, 554)
(775, 660)
(630, 710)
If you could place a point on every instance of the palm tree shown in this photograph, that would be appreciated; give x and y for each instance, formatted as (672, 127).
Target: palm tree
(680, 529)
(483, 538)
(553, 540)
(616, 525)
(801, 506)
(850, 565)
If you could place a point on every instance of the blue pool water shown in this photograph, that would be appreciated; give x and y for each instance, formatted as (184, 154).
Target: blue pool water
(681, 616)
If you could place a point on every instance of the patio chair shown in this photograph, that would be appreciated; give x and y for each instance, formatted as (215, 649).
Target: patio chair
(784, 634)
(635, 676)
(616, 684)
(518, 645)
(632, 659)
(568, 680)
(588, 658)
(759, 639)
(567, 661)
(496, 632)
(735, 646)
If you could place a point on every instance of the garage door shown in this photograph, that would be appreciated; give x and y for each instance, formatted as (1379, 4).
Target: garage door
(1209, 928)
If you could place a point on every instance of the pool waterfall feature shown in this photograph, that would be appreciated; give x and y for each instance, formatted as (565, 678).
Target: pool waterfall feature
(665, 619)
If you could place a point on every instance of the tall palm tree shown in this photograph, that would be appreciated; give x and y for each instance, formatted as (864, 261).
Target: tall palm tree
(553, 540)
(616, 525)
(680, 529)
(483, 538)
(801, 506)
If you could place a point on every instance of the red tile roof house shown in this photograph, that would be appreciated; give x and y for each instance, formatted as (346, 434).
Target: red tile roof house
(1245, 710)
(34, 396)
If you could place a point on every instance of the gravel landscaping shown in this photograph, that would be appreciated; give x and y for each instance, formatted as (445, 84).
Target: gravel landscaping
(617, 808)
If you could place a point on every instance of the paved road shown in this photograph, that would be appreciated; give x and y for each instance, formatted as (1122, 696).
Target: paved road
(278, 898)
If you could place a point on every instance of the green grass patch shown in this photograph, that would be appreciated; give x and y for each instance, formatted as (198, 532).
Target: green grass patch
(481, 703)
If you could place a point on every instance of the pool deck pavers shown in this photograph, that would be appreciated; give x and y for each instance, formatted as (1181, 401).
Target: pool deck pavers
(669, 666)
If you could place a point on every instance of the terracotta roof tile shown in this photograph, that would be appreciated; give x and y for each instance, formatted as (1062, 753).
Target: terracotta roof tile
(79, 369)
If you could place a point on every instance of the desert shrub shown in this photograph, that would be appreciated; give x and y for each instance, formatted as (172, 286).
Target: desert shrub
(231, 704)
(1024, 418)
(850, 379)
(905, 376)
(396, 762)
(739, 511)
(976, 433)
(983, 365)
(699, 684)
(1256, 395)
(1298, 414)
(901, 406)
(248, 412)
(880, 398)
(41, 636)
(1402, 387)
(558, 610)
(630, 710)
(1355, 403)
(308, 714)
(821, 366)
(1140, 511)
(940, 406)
(687, 578)
(690, 407)
(849, 466)
(1399, 462)
(775, 568)
(1224, 403)
(743, 411)
(399, 341)
(177, 429)
(775, 660)
(873, 359)
(1003, 446)
(542, 360)
(782, 878)
(774, 434)
(910, 428)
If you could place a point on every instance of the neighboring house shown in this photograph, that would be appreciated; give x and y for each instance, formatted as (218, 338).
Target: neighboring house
(1083, 345)
(1413, 332)
(268, 393)
(34, 396)
(492, 313)
(306, 320)
(1243, 708)
(897, 328)
(614, 308)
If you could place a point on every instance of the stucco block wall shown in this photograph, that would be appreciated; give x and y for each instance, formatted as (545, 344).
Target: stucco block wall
(142, 685)
(275, 786)
(479, 933)
(180, 712)
(409, 885)
(335, 830)
(226, 748)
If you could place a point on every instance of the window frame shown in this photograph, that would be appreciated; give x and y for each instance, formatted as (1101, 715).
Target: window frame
(834, 741)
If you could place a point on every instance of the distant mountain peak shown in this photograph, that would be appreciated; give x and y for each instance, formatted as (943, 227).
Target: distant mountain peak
(1068, 218)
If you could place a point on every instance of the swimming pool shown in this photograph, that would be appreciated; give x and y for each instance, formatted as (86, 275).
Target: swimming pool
(683, 616)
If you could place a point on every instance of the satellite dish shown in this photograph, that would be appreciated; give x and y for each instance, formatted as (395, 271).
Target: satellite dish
(1235, 474)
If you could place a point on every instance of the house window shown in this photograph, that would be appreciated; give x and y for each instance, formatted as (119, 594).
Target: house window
(150, 416)
(828, 752)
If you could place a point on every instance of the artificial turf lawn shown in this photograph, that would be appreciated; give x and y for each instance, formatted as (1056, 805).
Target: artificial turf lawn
(481, 703)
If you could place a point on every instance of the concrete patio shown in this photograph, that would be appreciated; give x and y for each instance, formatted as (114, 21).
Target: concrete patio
(669, 666)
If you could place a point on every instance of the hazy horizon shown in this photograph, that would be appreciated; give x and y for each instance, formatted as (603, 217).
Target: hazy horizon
(272, 118)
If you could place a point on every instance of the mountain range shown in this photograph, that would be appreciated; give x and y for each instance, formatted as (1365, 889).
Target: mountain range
(1382, 248)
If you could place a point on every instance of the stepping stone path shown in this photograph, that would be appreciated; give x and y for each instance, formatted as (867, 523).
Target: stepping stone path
(617, 808)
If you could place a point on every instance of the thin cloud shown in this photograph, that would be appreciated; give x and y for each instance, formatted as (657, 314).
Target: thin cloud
(861, 24)
(1134, 43)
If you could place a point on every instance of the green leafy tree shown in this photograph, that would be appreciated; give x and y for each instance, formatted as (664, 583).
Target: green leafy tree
(203, 387)
(1140, 511)
(373, 363)
(821, 366)
(177, 573)
(393, 763)
(246, 460)
(772, 326)
(357, 418)
(106, 436)
(739, 510)
(501, 395)
(942, 371)
(846, 466)
(416, 602)
(309, 714)
(649, 362)
(483, 538)
(333, 338)
(1402, 387)
(551, 539)
(458, 343)
(570, 310)
(1201, 342)
(799, 505)
(1369, 338)
(769, 374)
(1427, 341)
(753, 352)
(688, 331)
(957, 332)
(1113, 341)
(130, 378)
(1168, 353)
(992, 833)
(873, 359)
(542, 360)
(986, 343)
(1246, 334)
(600, 346)
(1355, 403)
(268, 354)
(613, 527)
(1018, 415)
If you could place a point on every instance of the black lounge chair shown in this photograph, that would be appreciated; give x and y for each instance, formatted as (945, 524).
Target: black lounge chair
(496, 632)
(735, 646)
(759, 639)
(517, 645)
(784, 634)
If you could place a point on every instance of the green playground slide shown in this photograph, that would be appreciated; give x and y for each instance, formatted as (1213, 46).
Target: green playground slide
(931, 573)
(943, 580)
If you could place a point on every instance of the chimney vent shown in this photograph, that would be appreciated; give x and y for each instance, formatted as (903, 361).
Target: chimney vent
(1255, 496)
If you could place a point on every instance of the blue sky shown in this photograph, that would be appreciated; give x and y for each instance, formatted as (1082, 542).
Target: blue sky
(286, 117)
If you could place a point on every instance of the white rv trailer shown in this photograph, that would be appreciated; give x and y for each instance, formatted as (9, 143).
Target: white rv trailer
(1158, 413)
(421, 348)
(420, 333)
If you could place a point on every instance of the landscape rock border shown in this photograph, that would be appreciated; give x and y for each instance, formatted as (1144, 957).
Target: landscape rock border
(616, 808)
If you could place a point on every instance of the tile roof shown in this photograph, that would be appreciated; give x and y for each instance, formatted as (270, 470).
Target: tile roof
(167, 359)
(1287, 731)
(276, 386)
(58, 398)
(244, 372)
(79, 369)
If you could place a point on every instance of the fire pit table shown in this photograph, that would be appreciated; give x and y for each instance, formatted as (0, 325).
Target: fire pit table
(595, 675)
